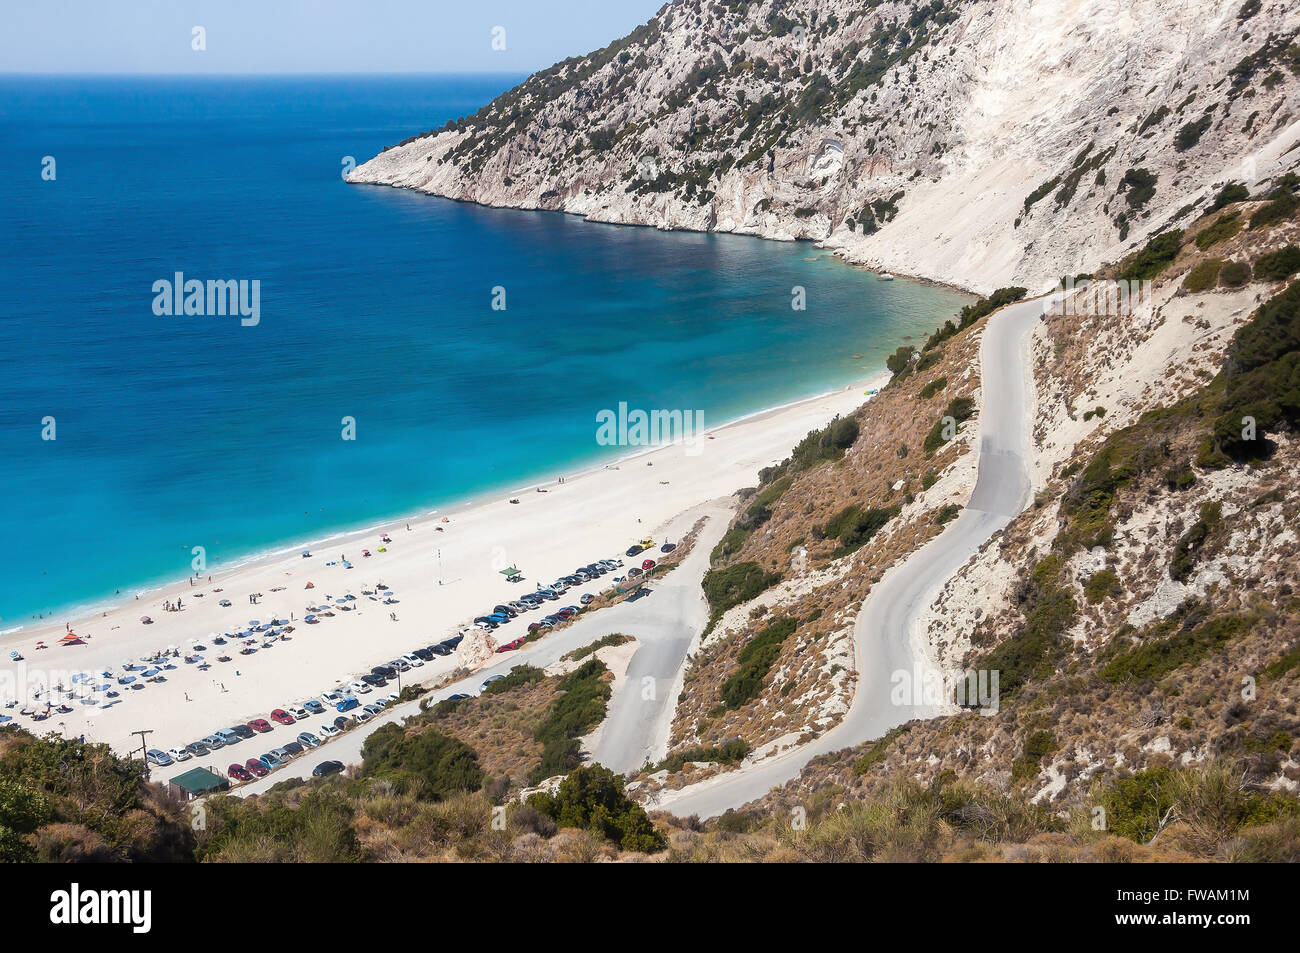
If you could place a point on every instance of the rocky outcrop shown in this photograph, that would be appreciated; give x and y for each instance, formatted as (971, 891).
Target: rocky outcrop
(982, 144)
(475, 650)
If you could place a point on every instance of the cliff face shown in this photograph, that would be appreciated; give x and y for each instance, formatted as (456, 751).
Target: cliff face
(983, 144)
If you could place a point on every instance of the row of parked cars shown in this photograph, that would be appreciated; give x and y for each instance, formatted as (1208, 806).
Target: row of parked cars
(536, 600)
(342, 699)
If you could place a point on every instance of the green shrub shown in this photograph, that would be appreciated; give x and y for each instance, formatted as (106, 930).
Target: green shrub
(1190, 133)
(1230, 193)
(1139, 185)
(756, 659)
(960, 409)
(1224, 227)
(1187, 550)
(518, 675)
(1032, 649)
(932, 388)
(853, 527)
(1281, 208)
(1037, 746)
(724, 588)
(592, 798)
(1234, 274)
(1278, 265)
(1159, 252)
(1102, 583)
(732, 752)
(947, 514)
(426, 763)
(1203, 277)
(578, 710)
(1160, 656)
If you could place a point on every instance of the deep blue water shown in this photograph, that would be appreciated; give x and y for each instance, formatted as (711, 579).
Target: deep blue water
(375, 303)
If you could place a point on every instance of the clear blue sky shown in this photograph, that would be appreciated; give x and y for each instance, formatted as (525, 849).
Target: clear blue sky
(307, 36)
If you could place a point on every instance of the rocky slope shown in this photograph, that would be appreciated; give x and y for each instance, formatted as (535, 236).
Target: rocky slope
(981, 144)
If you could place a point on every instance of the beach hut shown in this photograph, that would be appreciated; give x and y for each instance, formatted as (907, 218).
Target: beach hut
(196, 782)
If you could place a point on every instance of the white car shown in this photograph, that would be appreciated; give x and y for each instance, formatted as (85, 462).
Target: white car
(360, 714)
(179, 754)
(331, 698)
(391, 697)
(358, 688)
(298, 713)
(329, 731)
(414, 660)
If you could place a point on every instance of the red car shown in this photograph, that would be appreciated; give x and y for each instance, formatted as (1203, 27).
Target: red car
(260, 724)
(239, 772)
(511, 646)
(648, 564)
(255, 766)
(282, 716)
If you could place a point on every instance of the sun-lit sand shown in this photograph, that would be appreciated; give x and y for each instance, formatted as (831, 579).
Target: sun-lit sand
(442, 573)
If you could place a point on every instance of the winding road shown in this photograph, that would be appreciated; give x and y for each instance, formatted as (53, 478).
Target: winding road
(666, 620)
(886, 626)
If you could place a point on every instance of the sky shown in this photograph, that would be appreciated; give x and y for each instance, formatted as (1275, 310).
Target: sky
(309, 36)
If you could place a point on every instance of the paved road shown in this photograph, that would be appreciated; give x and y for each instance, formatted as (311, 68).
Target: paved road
(885, 626)
(664, 621)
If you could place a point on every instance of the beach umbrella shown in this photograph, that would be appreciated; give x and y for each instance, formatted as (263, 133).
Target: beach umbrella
(145, 619)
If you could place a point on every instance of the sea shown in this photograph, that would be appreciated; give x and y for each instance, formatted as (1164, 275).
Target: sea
(406, 353)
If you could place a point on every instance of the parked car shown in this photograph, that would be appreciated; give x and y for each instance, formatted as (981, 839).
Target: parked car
(255, 766)
(361, 714)
(342, 722)
(326, 768)
(511, 646)
(458, 696)
(632, 550)
(390, 698)
(587, 599)
(198, 748)
(373, 680)
(566, 613)
(229, 736)
(298, 712)
(484, 622)
(283, 754)
(667, 547)
(309, 740)
(243, 731)
(347, 704)
(413, 660)
(262, 725)
(329, 731)
(504, 610)
(314, 707)
(373, 709)
(239, 772)
(271, 761)
(213, 742)
(158, 758)
(331, 698)
(384, 671)
(179, 754)
(489, 681)
(648, 564)
(280, 716)
(292, 749)
(359, 688)
(424, 655)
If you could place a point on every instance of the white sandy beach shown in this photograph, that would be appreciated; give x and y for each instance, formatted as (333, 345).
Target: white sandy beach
(442, 574)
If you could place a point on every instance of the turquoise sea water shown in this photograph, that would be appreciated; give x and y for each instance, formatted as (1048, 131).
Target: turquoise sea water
(179, 431)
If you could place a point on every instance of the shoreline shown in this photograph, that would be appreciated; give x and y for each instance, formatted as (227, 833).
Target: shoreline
(438, 575)
(151, 590)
